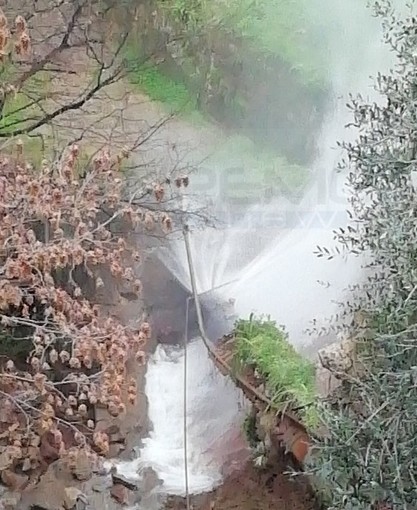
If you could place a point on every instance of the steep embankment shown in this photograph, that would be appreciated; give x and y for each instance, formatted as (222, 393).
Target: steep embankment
(229, 63)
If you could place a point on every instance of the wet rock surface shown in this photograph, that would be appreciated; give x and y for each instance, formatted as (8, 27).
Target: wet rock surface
(58, 489)
(120, 493)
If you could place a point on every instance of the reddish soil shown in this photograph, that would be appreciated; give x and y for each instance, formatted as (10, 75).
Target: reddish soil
(254, 489)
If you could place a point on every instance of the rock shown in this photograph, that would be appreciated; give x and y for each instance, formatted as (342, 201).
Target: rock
(6, 460)
(112, 430)
(120, 493)
(34, 453)
(150, 480)
(119, 479)
(83, 469)
(102, 484)
(118, 439)
(102, 467)
(130, 296)
(114, 450)
(27, 465)
(73, 497)
(338, 357)
(326, 382)
(13, 480)
(99, 487)
(48, 452)
(335, 361)
(10, 501)
(48, 493)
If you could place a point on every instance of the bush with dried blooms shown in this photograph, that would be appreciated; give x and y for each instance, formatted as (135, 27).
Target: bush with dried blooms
(18, 43)
(54, 222)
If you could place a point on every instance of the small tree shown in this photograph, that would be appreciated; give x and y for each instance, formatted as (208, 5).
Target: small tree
(368, 456)
(63, 236)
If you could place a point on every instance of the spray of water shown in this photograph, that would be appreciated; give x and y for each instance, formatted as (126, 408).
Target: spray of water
(268, 255)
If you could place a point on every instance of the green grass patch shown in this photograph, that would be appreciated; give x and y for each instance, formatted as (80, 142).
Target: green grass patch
(14, 111)
(159, 87)
(18, 113)
(23, 108)
(289, 378)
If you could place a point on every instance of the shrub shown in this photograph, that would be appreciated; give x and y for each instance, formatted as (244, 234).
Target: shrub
(367, 459)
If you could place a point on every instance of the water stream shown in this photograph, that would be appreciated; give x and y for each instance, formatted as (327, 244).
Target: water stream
(214, 422)
(266, 262)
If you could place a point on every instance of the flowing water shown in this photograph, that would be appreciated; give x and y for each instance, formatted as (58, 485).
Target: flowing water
(265, 261)
(213, 421)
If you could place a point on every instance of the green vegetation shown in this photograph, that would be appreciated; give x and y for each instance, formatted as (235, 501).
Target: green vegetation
(20, 106)
(250, 430)
(161, 88)
(289, 378)
(175, 95)
(271, 28)
(367, 460)
(24, 107)
(14, 112)
(276, 27)
(281, 28)
(214, 52)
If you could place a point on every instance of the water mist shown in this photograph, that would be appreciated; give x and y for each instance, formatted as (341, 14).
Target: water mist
(268, 255)
(266, 262)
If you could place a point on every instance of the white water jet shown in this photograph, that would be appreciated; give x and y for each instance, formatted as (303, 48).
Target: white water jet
(280, 275)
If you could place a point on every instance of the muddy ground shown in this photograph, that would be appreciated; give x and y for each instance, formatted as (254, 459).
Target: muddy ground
(251, 488)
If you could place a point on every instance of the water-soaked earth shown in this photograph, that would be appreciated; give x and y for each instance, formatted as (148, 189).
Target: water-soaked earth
(250, 488)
